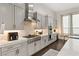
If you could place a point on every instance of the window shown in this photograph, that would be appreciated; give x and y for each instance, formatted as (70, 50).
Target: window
(75, 22)
(65, 24)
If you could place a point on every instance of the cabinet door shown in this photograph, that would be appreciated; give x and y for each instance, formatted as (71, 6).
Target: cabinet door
(50, 21)
(46, 21)
(21, 5)
(43, 21)
(37, 45)
(23, 50)
(43, 42)
(7, 15)
(10, 53)
(39, 23)
(19, 18)
(30, 48)
(0, 52)
(54, 37)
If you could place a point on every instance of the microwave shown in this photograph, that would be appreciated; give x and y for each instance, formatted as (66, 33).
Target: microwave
(12, 36)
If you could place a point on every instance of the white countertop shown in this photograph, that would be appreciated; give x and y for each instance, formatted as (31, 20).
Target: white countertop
(20, 39)
(5, 42)
(71, 48)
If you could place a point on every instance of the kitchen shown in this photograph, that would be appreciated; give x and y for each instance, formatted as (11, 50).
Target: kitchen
(30, 29)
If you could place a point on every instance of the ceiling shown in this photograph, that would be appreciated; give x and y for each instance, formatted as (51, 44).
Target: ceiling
(61, 6)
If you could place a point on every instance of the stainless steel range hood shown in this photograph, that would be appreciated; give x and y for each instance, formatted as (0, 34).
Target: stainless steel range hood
(30, 16)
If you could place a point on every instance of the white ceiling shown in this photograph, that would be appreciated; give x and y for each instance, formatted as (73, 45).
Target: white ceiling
(61, 6)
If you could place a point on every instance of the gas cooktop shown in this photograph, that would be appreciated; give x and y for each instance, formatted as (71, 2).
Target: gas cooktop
(30, 36)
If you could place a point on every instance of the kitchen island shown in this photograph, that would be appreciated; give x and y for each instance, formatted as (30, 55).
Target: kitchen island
(71, 48)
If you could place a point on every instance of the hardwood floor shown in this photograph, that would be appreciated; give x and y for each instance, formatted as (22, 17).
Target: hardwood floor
(57, 45)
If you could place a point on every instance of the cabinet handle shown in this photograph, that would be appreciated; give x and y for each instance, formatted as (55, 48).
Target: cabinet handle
(44, 40)
(34, 44)
(17, 51)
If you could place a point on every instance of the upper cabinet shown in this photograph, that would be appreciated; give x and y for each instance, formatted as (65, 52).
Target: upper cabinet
(19, 18)
(12, 15)
(41, 20)
(44, 21)
(7, 15)
(21, 5)
(50, 21)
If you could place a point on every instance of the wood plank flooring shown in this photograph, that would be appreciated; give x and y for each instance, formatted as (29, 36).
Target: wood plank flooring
(57, 45)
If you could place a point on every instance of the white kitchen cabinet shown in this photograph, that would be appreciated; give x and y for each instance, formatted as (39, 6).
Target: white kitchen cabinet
(19, 49)
(46, 21)
(19, 18)
(23, 49)
(44, 41)
(7, 15)
(37, 45)
(50, 21)
(0, 51)
(10, 53)
(55, 36)
(12, 16)
(39, 23)
(30, 48)
(34, 47)
(43, 21)
(21, 5)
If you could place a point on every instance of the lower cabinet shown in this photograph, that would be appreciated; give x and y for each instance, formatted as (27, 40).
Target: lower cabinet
(30, 48)
(10, 53)
(44, 40)
(34, 47)
(22, 50)
(26, 49)
(0, 52)
(55, 37)
(37, 45)
(15, 50)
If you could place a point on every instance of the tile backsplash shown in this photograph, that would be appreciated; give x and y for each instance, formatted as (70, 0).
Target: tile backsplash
(20, 33)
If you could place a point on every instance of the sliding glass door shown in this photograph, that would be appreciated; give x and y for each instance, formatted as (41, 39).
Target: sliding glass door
(75, 22)
(70, 24)
(65, 22)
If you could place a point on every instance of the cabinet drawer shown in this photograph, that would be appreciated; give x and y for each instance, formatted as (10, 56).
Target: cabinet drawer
(0, 52)
(10, 47)
(10, 53)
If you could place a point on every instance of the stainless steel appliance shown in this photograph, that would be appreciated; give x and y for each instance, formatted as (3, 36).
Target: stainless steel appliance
(30, 15)
(32, 38)
(12, 36)
(50, 33)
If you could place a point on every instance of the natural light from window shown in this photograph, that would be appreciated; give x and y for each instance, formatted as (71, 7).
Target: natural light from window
(75, 22)
(65, 24)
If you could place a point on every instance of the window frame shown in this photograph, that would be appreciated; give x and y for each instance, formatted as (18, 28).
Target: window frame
(68, 26)
(70, 32)
(72, 25)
